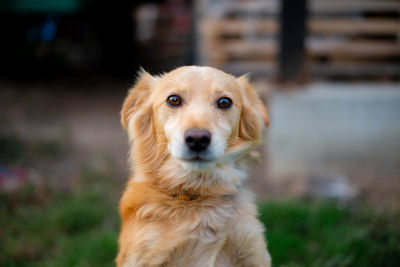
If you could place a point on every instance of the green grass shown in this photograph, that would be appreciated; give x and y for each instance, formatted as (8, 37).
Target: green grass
(15, 151)
(56, 229)
(302, 233)
(40, 227)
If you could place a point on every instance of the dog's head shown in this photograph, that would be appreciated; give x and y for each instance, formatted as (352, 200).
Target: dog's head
(196, 116)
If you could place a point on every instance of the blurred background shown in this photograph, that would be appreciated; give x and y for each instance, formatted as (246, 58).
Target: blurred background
(328, 182)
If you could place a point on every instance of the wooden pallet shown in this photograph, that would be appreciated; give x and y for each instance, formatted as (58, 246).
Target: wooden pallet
(354, 39)
(343, 37)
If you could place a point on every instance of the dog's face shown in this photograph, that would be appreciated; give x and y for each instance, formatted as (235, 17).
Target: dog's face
(196, 114)
(199, 111)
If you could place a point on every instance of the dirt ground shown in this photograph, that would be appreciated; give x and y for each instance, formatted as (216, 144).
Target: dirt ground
(84, 116)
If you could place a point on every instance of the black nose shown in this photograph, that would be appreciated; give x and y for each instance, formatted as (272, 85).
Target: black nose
(197, 139)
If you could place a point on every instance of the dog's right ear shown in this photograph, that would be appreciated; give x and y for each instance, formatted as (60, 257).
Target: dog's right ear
(137, 96)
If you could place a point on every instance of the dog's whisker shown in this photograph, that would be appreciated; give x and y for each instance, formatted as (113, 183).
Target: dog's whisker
(237, 152)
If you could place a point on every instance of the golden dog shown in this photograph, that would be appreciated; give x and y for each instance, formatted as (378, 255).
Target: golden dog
(185, 203)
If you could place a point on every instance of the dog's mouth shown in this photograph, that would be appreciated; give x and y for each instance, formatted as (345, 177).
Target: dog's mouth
(197, 163)
(197, 159)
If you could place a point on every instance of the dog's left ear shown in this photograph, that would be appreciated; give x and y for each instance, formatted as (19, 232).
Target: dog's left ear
(254, 115)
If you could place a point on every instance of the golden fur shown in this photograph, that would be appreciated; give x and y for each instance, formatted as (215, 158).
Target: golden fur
(173, 215)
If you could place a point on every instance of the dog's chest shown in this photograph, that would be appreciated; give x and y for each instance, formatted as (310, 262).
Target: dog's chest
(189, 234)
(202, 240)
(207, 220)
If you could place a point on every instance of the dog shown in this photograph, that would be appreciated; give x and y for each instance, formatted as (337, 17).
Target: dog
(185, 204)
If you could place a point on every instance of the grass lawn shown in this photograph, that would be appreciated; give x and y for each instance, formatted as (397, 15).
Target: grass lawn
(42, 228)
(303, 233)
(79, 228)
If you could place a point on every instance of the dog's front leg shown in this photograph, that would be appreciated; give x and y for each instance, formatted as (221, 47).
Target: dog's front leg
(247, 238)
(144, 245)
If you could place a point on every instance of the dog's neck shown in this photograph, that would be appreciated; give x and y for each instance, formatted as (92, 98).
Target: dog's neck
(140, 193)
(173, 179)
(189, 195)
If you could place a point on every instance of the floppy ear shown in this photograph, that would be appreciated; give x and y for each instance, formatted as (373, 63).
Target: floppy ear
(254, 114)
(137, 96)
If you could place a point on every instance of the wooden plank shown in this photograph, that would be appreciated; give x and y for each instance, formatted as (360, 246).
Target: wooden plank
(219, 9)
(354, 69)
(354, 6)
(255, 68)
(342, 69)
(333, 69)
(250, 48)
(315, 47)
(352, 49)
(233, 27)
(354, 26)
(244, 26)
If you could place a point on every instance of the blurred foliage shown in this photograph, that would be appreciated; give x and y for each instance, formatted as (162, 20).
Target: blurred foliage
(14, 150)
(302, 233)
(47, 149)
(67, 229)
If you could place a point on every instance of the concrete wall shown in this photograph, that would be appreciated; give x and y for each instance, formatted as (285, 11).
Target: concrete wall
(326, 126)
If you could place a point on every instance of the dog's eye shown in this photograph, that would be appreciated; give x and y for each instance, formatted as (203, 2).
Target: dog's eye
(174, 101)
(224, 103)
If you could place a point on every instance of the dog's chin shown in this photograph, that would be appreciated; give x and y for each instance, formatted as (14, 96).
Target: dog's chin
(197, 164)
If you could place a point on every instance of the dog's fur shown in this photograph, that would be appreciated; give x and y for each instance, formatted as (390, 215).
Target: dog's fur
(183, 213)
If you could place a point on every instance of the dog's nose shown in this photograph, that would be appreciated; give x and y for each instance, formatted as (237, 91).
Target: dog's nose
(197, 139)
